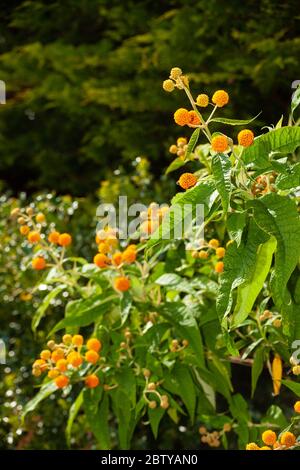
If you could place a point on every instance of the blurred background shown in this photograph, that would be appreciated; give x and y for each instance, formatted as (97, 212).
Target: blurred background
(83, 80)
(86, 119)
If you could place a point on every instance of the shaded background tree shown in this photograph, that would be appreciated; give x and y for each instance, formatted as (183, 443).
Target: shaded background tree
(84, 79)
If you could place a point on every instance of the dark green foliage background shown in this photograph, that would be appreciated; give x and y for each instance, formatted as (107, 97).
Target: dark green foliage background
(91, 72)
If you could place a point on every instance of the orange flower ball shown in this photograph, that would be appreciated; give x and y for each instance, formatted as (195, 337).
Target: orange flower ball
(194, 119)
(61, 381)
(93, 344)
(245, 138)
(269, 437)
(101, 260)
(220, 252)
(91, 356)
(53, 237)
(297, 406)
(57, 355)
(129, 256)
(92, 381)
(287, 439)
(75, 359)
(219, 267)
(40, 218)
(24, 230)
(220, 98)
(62, 365)
(187, 180)
(77, 340)
(38, 263)
(64, 239)
(219, 143)
(117, 258)
(122, 283)
(34, 236)
(182, 117)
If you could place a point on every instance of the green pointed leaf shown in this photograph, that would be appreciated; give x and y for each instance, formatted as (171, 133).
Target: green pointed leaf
(184, 321)
(234, 122)
(221, 170)
(249, 290)
(289, 179)
(186, 388)
(295, 100)
(182, 209)
(127, 381)
(44, 305)
(125, 416)
(96, 407)
(294, 386)
(257, 368)
(284, 140)
(74, 410)
(192, 143)
(84, 312)
(45, 391)
(278, 216)
(155, 416)
(175, 165)
(239, 263)
(236, 222)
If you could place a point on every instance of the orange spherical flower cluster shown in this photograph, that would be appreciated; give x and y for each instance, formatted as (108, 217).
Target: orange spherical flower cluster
(129, 255)
(219, 143)
(202, 100)
(152, 218)
(245, 138)
(122, 283)
(220, 98)
(109, 253)
(92, 381)
(187, 180)
(214, 243)
(101, 260)
(297, 406)
(38, 263)
(287, 439)
(269, 437)
(220, 252)
(53, 237)
(34, 236)
(219, 267)
(24, 230)
(194, 119)
(182, 117)
(40, 218)
(64, 239)
(60, 360)
(252, 446)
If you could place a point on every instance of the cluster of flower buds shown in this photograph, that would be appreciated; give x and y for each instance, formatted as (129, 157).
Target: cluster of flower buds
(176, 80)
(213, 438)
(31, 226)
(211, 248)
(152, 395)
(264, 184)
(179, 148)
(177, 346)
(268, 315)
(61, 360)
(152, 218)
(286, 440)
(110, 255)
(295, 365)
